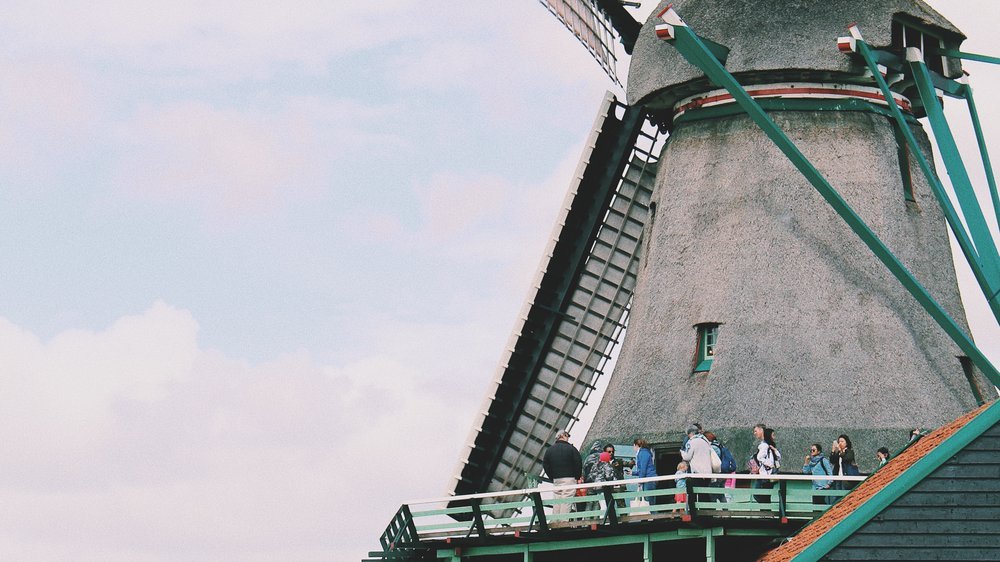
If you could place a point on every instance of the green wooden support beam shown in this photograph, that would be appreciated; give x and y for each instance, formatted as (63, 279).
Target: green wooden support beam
(895, 63)
(969, 56)
(645, 539)
(950, 214)
(694, 51)
(962, 184)
(983, 151)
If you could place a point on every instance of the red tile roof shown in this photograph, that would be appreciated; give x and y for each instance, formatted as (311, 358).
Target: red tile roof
(866, 489)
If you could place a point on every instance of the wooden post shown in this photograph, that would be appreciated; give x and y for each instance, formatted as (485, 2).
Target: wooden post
(543, 525)
(477, 516)
(610, 514)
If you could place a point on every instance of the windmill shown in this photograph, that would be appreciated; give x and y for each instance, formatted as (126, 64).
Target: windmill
(781, 256)
(763, 214)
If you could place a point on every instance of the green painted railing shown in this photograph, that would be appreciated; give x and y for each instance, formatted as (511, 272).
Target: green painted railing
(419, 525)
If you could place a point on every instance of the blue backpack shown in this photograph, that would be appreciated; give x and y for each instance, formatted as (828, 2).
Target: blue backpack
(728, 462)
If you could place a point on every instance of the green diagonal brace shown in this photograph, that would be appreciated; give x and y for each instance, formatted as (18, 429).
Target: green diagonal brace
(950, 214)
(694, 51)
(983, 152)
(969, 56)
(966, 194)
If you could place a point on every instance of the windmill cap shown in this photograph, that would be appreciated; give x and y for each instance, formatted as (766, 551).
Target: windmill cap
(772, 43)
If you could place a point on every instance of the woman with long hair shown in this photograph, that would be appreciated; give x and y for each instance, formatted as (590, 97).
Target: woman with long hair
(844, 462)
(768, 459)
(645, 466)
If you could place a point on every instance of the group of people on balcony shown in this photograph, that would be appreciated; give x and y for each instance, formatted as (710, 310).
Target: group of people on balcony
(701, 453)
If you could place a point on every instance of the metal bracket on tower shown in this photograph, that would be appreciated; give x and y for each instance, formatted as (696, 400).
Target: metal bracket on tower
(696, 52)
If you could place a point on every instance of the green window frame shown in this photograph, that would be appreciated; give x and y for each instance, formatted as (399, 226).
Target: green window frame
(708, 337)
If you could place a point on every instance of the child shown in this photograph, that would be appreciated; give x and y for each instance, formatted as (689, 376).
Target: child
(681, 483)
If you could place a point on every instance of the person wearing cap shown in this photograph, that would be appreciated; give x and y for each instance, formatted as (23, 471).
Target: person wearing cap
(562, 463)
(697, 452)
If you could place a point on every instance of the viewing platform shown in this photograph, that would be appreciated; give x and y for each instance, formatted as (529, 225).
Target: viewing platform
(521, 523)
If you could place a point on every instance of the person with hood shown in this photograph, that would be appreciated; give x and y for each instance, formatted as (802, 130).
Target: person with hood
(818, 465)
(588, 466)
(601, 471)
(645, 467)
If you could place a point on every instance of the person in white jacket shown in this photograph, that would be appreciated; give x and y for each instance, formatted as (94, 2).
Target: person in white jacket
(768, 458)
(697, 452)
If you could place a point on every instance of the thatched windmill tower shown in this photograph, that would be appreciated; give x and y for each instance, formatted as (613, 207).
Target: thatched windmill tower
(755, 301)
(749, 299)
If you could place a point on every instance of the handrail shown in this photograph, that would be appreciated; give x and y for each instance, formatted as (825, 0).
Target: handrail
(627, 481)
(778, 501)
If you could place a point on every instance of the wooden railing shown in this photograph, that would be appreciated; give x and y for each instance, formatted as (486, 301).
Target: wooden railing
(782, 497)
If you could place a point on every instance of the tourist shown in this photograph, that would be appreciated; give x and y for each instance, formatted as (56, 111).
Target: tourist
(645, 467)
(588, 465)
(601, 471)
(818, 465)
(882, 454)
(697, 452)
(844, 463)
(768, 460)
(681, 484)
(563, 465)
(619, 467)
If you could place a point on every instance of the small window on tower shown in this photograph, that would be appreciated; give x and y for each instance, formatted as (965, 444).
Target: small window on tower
(708, 335)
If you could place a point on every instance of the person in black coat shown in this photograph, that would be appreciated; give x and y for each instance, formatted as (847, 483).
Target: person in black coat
(562, 463)
(843, 461)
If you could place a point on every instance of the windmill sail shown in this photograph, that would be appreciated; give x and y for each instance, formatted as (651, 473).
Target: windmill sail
(592, 26)
(575, 314)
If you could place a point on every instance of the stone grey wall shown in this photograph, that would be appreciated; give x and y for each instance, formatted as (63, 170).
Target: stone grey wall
(816, 337)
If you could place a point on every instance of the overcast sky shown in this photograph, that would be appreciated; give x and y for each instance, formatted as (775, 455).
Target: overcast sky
(259, 262)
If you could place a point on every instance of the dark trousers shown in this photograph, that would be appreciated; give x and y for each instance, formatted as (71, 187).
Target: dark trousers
(762, 484)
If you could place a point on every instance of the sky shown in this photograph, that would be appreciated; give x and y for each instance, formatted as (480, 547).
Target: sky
(260, 261)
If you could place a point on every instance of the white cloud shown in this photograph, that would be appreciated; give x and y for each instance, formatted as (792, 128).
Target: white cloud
(133, 443)
(485, 217)
(221, 39)
(244, 161)
(49, 107)
(224, 160)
